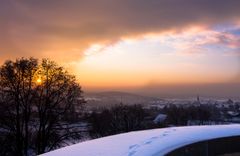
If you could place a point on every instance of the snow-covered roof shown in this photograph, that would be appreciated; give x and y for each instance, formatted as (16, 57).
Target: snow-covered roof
(160, 118)
(232, 113)
(149, 142)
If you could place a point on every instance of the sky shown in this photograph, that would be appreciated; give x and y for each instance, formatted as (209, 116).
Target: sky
(155, 47)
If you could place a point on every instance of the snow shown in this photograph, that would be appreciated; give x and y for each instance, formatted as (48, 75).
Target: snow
(160, 118)
(232, 113)
(147, 143)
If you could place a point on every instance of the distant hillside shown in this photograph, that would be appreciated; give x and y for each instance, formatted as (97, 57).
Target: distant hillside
(110, 98)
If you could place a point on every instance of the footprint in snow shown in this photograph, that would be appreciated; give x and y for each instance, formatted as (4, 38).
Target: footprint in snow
(150, 140)
(131, 153)
(133, 146)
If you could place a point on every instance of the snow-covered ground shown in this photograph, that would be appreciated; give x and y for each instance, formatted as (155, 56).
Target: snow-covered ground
(147, 143)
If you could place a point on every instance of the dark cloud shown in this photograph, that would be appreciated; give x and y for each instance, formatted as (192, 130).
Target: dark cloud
(44, 28)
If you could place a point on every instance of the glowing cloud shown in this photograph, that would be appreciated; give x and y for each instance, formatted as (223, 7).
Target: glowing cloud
(55, 28)
(127, 42)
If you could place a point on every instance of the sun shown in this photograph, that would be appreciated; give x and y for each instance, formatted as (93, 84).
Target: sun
(39, 80)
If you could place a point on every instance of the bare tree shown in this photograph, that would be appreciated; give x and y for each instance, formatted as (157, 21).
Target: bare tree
(16, 90)
(34, 102)
(58, 95)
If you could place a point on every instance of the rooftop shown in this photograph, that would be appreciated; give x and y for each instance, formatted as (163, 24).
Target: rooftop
(148, 142)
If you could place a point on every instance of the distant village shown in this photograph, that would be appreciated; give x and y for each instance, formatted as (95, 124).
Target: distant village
(222, 111)
(171, 112)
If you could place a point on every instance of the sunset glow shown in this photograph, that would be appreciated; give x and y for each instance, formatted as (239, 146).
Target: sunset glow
(39, 81)
(139, 44)
(73, 71)
(162, 59)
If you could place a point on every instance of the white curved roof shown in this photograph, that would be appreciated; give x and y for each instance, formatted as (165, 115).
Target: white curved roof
(147, 143)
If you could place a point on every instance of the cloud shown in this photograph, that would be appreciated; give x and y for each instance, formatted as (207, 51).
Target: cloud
(200, 40)
(57, 28)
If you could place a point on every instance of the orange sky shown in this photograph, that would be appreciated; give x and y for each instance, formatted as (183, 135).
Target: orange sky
(130, 43)
(156, 60)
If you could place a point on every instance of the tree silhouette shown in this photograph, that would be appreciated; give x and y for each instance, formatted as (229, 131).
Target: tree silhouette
(16, 81)
(118, 119)
(35, 102)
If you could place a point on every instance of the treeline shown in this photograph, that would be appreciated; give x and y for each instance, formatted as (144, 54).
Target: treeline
(125, 118)
(118, 119)
(180, 116)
